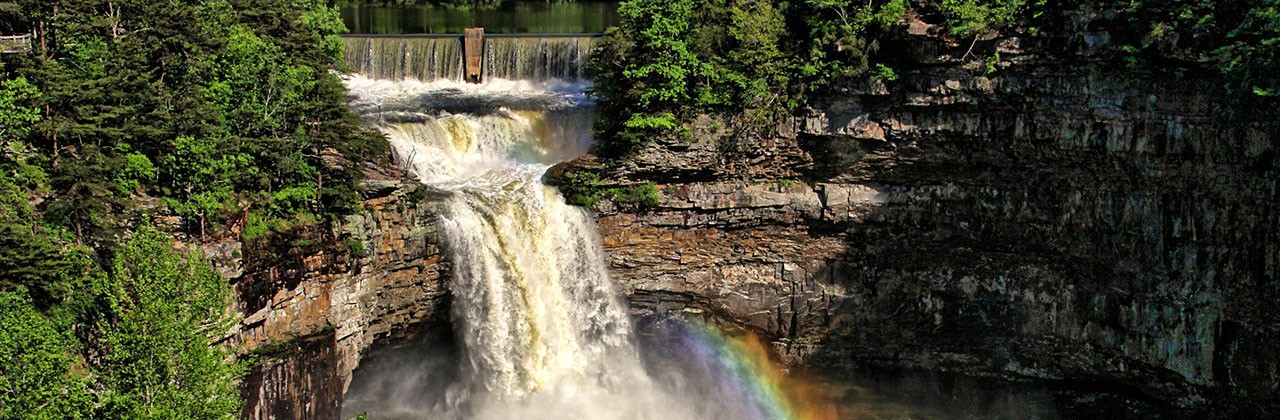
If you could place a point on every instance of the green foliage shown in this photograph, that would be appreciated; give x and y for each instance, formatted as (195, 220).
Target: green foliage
(652, 122)
(355, 248)
(254, 84)
(1241, 38)
(259, 225)
(1251, 54)
(136, 172)
(230, 101)
(669, 62)
(581, 188)
(162, 353)
(992, 63)
(326, 22)
(256, 227)
(760, 60)
(842, 37)
(227, 111)
(18, 176)
(659, 68)
(971, 18)
(645, 69)
(16, 114)
(85, 199)
(885, 73)
(36, 361)
(663, 62)
(201, 177)
(644, 195)
(584, 188)
(33, 261)
(757, 71)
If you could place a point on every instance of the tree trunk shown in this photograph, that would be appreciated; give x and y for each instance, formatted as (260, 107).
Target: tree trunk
(41, 31)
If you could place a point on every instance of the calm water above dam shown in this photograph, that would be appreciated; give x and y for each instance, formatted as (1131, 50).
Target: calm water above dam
(512, 17)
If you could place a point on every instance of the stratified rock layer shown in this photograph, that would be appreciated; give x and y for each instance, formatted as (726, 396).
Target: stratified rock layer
(314, 302)
(1055, 219)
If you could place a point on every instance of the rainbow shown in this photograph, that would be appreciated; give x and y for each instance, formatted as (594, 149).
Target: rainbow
(742, 372)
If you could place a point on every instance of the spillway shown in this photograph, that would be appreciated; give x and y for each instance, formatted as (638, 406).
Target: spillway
(427, 58)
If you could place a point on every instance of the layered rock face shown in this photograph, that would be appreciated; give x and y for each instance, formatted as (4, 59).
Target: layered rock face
(315, 302)
(1054, 219)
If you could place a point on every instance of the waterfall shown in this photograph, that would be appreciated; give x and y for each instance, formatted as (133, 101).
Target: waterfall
(542, 330)
(430, 58)
(537, 58)
(542, 333)
(399, 58)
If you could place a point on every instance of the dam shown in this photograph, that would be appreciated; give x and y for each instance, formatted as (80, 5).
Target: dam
(428, 57)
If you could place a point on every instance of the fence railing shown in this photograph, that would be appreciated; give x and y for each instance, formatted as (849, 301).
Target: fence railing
(15, 43)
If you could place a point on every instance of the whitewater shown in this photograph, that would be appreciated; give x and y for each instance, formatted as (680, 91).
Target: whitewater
(543, 332)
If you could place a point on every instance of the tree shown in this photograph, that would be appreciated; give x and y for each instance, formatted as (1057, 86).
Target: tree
(36, 359)
(127, 85)
(16, 114)
(659, 68)
(972, 18)
(644, 70)
(163, 354)
(1241, 38)
(841, 37)
(202, 175)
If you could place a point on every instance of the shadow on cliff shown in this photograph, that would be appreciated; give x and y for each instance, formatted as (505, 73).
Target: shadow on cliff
(1124, 279)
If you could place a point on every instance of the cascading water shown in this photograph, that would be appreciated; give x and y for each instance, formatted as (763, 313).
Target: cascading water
(541, 327)
(435, 57)
(541, 331)
(537, 58)
(399, 58)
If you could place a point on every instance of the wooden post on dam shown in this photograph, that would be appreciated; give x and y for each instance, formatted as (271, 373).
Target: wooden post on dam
(473, 46)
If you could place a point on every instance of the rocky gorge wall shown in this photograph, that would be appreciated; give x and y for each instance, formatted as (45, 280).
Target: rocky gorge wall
(1057, 219)
(314, 303)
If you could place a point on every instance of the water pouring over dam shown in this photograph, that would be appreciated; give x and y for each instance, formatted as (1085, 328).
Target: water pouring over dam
(435, 57)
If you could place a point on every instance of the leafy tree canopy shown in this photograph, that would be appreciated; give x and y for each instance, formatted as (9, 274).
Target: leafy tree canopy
(211, 107)
(36, 360)
(669, 61)
(167, 314)
(221, 113)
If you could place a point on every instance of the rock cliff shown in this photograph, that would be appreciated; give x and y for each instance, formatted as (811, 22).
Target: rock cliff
(1056, 218)
(314, 302)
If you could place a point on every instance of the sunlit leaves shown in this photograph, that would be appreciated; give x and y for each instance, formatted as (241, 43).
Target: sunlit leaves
(16, 113)
(162, 357)
(1239, 37)
(36, 360)
(970, 18)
